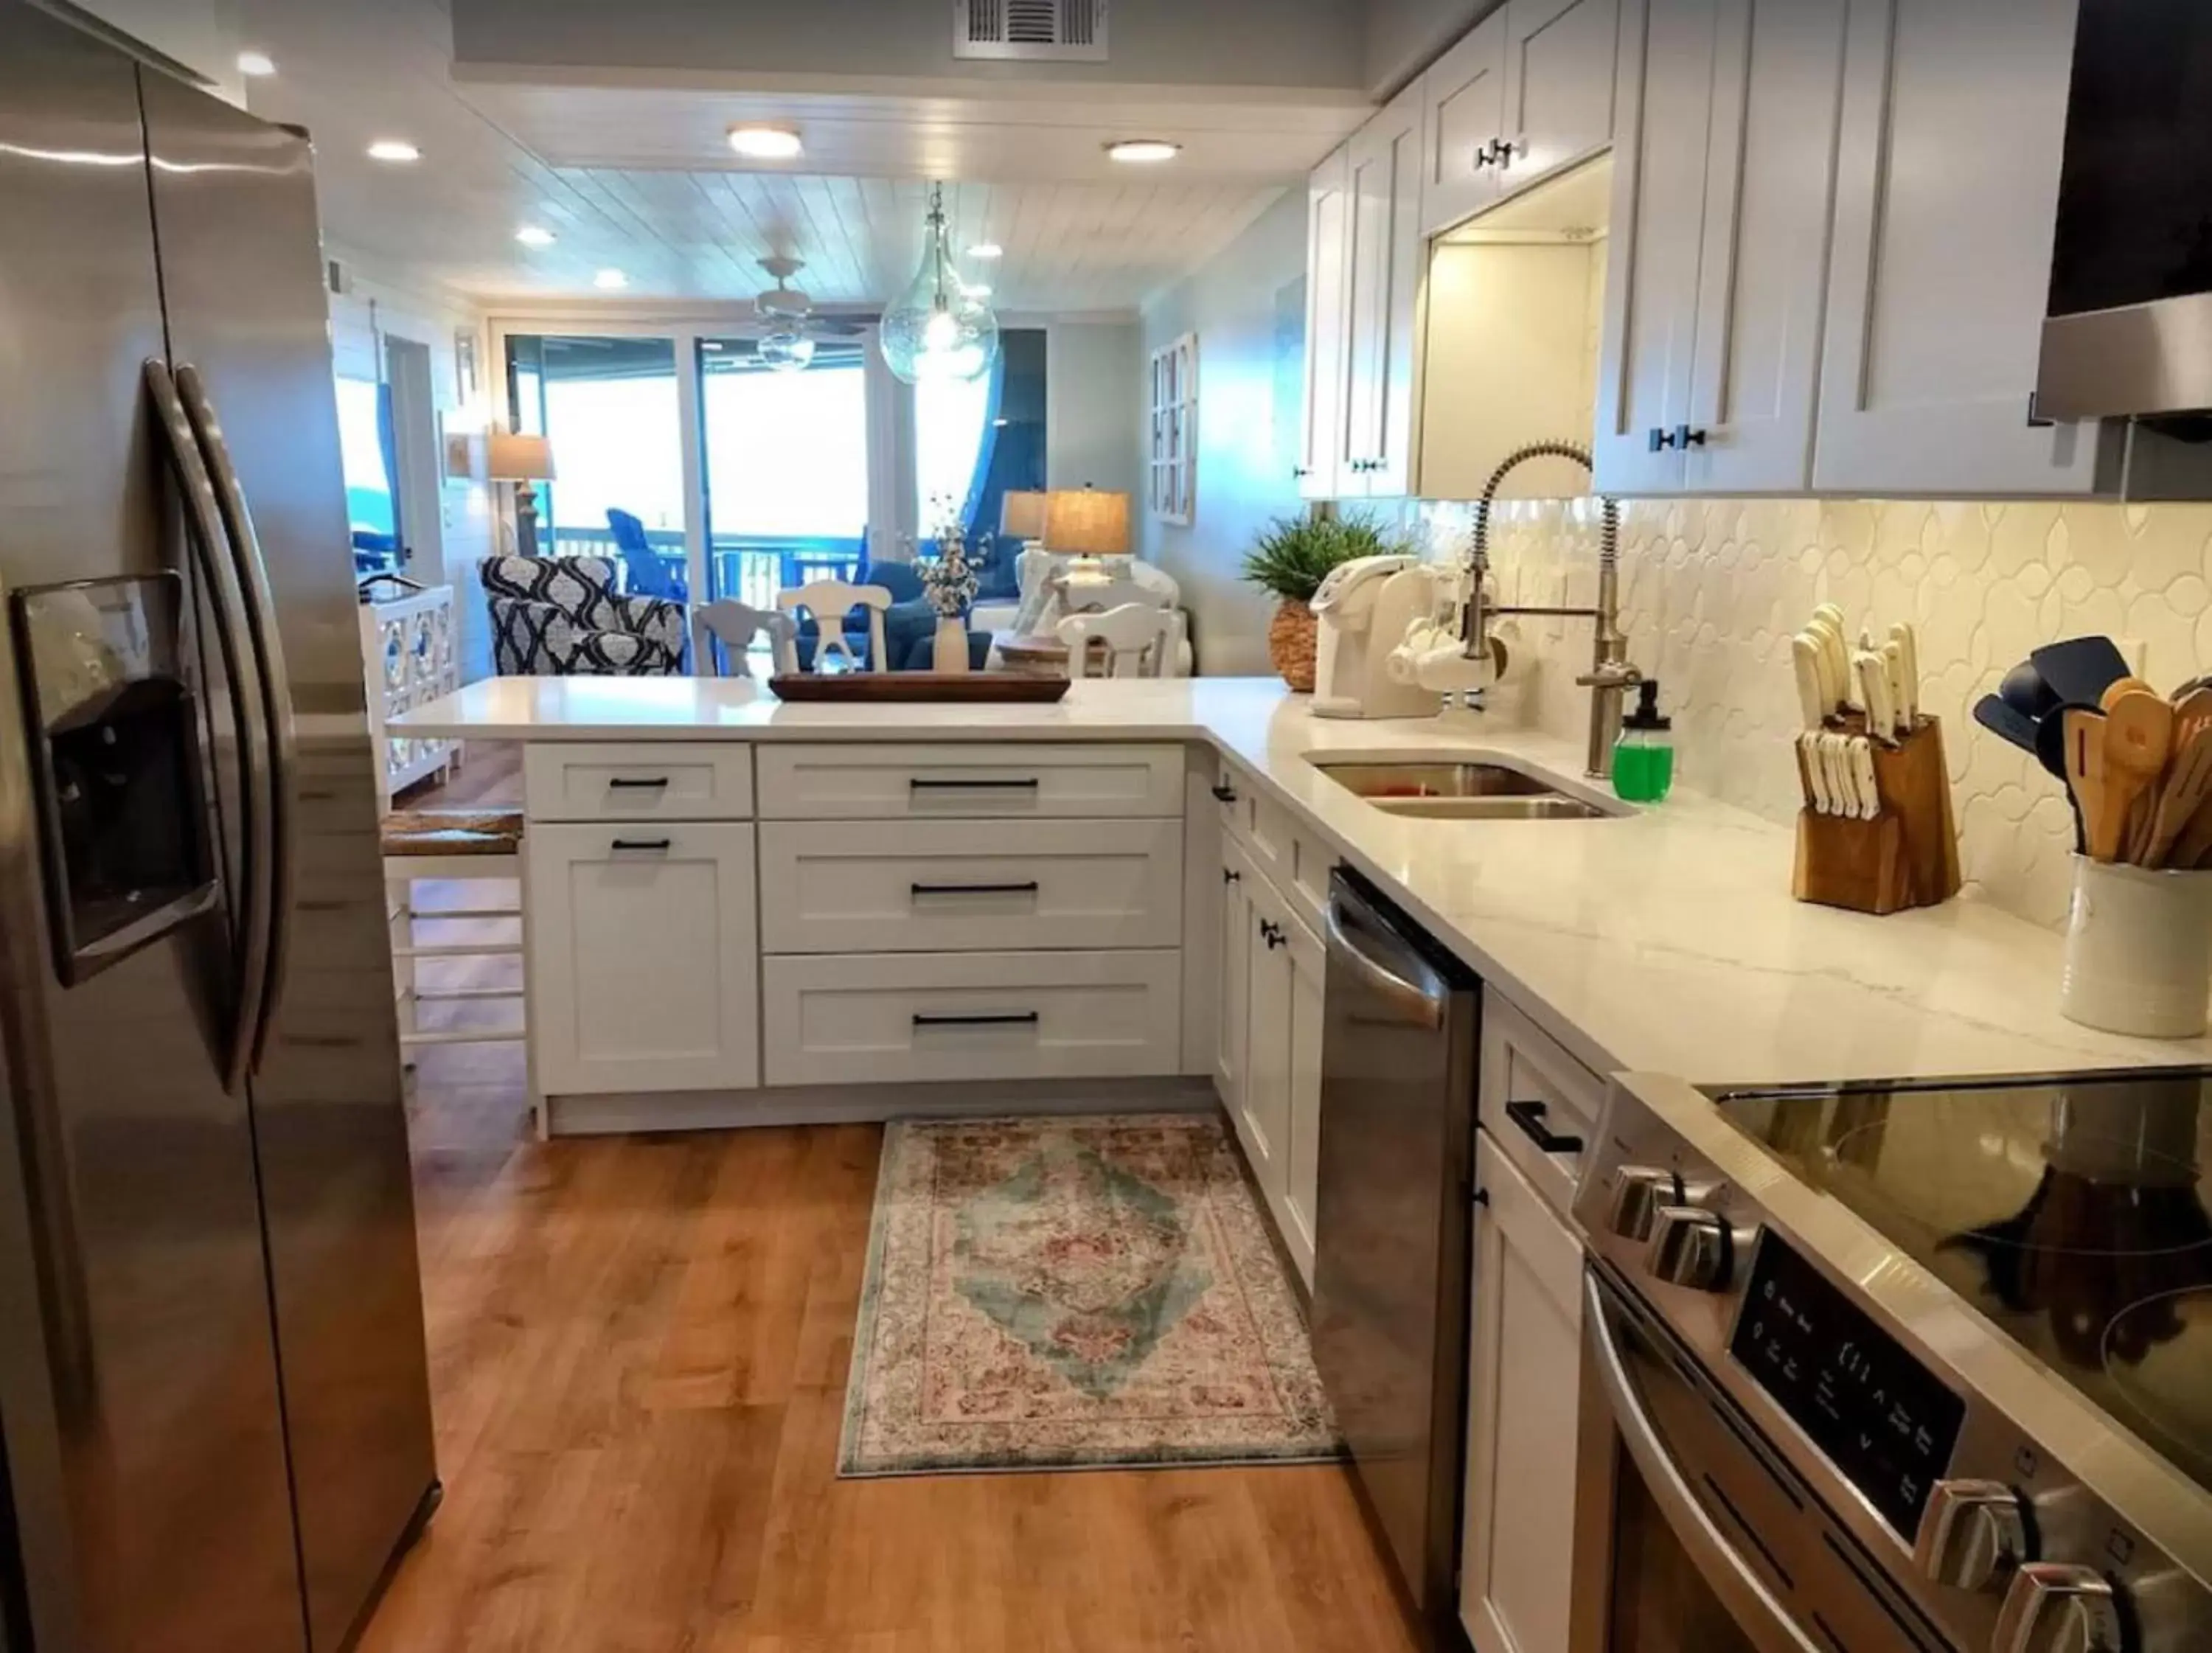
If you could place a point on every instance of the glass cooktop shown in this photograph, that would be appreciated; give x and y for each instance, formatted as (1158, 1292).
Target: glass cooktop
(2072, 1212)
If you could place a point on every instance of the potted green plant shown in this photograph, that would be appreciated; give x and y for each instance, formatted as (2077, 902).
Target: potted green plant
(1290, 559)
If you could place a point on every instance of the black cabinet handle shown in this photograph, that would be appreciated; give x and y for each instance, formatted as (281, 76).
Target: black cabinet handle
(1019, 1018)
(1482, 1196)
(1225, 794)
(921, 783)
(642, 843)
(1687, 438)
(623, 784)
(1529, 1116)
(1501, 153)
(1661, 440)
(1229, 876)
(1272, 933)
(1028, 889)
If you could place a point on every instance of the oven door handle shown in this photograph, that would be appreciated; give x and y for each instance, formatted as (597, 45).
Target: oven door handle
(1741, 1590)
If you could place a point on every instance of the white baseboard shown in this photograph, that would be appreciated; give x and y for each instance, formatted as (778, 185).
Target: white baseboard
(854, 1105)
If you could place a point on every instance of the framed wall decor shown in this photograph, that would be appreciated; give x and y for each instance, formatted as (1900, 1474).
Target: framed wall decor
(1171, 470)
(465, 364)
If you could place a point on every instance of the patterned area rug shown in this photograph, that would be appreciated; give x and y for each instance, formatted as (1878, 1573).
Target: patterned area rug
(1048, 1294)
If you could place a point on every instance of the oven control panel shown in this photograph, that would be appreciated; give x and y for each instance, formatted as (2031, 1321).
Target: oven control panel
(1872, 1409)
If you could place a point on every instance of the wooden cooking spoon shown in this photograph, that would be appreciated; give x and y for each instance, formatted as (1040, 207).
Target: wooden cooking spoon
(2138, 741)
(2085, 774)
(2188, 784)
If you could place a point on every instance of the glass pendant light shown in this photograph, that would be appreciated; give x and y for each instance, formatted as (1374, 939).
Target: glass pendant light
(786, 352)
(939, 329)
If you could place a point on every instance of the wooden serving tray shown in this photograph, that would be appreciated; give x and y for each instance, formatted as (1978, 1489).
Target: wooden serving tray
(885, 688)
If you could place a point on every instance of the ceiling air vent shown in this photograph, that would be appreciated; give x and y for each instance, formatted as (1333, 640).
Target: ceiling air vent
(1038, 31)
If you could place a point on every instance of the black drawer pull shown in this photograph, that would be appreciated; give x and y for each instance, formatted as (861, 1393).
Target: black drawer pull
(921, 783)
(1029, 889)
(1529, 1116)
(621, 784)
(1272, 933)
(1225, 794)
(1021, 1018)
(642, 843)
(1229, 876)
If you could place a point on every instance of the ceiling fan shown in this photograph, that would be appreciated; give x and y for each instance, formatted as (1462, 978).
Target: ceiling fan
(794, 323)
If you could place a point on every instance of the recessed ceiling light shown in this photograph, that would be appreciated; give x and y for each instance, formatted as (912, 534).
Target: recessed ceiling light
(256, 65)
(987, 250)
(398, 151)
(534, 236)
(766, 143)
(611, 279)
(1143, 151)
(979, 289)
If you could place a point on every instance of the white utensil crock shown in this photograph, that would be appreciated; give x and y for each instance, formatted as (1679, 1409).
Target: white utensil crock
(2138, 950)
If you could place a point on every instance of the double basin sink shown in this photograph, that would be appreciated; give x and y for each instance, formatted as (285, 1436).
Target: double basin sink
(1465, 790)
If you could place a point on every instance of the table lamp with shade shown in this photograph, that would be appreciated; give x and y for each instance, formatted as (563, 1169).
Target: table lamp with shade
(522, 461)
(1086, 525)
(1022, 516)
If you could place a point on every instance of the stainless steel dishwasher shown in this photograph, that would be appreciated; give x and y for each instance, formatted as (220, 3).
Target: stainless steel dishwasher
(1391, 1266)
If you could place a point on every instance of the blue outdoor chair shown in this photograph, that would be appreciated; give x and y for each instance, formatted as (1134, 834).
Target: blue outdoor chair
(649, 573)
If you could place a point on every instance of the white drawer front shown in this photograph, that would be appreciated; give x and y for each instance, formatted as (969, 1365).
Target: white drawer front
(969, 886)
(640, 782)
(1531, 1086)
(994, 779)
(971, 1015)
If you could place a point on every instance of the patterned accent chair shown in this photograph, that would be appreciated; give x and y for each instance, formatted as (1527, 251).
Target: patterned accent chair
(566, 616)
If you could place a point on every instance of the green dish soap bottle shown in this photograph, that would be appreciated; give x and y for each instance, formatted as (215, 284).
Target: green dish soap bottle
(1644, 756)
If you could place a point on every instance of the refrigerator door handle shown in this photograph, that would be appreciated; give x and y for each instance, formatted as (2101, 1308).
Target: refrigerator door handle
(253, 573)
(204, 528)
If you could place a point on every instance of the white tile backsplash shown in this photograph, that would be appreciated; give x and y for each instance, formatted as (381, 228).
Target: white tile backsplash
(1713, 590)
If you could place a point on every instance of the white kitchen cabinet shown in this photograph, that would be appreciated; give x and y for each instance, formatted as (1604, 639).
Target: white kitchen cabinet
(1328, 243)
(1234, 1000)
(1559, 87)
(1383, 295)
(1947, 195)
(1463, 96)
(1528, 92)
(1524, 1372)
(644, 957)
(1302, 1170)
(1713, 330)
(1273, 975)
(1264, 1120)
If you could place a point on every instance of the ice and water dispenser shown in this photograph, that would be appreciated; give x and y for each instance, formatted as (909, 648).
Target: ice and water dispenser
(115, 752)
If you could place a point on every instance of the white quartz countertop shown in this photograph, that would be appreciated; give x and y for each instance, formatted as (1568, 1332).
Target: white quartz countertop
(1668, 942)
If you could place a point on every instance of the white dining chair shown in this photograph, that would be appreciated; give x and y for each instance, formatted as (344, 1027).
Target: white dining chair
(830, 601)
(1134, 636)
(733, 625)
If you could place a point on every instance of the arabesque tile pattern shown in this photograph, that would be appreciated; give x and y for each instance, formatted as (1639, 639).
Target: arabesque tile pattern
(1713, 590)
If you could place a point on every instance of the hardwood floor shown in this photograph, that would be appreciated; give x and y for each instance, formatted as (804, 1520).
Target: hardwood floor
(639, 1350)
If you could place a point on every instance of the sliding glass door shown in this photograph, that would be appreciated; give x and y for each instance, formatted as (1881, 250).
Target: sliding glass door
(785, 461)
(611, 408)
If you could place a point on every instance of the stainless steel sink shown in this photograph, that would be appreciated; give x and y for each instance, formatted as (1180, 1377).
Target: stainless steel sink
(1462, 790)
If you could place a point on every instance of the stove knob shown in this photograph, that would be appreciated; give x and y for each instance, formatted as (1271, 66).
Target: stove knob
(1636, 1197)
(1971, 1532)
(1690, 1248)
(2052, 1609)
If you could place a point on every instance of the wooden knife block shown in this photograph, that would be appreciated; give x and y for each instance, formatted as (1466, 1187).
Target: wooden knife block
(1907, 855)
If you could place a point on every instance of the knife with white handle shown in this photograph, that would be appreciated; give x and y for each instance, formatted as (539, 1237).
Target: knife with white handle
(1843, 783)
(1900, 692)
(1869, 789)
(1907, 641)
(1874, 683)
(1816, 774)
(1805, 660)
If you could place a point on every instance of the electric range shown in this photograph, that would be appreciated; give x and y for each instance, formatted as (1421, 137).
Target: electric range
(1965, 1327)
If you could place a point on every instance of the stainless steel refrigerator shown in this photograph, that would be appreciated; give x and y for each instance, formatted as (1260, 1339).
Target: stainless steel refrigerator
(214, 1394)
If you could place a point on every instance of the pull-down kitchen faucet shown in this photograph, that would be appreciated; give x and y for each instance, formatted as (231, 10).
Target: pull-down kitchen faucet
(1611, 676)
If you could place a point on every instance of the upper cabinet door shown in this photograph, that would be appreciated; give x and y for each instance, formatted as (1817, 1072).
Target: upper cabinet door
(1328, 224)
(1762, 274)
(1559, 86)
(1386, 247)
(1946, 199)
(1649, 356)
(1463, 125)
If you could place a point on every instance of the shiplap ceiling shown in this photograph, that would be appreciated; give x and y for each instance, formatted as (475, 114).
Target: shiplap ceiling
(639, 179)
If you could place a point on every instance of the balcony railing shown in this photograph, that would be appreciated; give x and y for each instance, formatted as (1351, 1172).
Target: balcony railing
(750, 568)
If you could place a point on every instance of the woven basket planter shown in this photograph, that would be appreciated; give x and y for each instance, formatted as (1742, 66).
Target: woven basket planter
(1291, 641)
